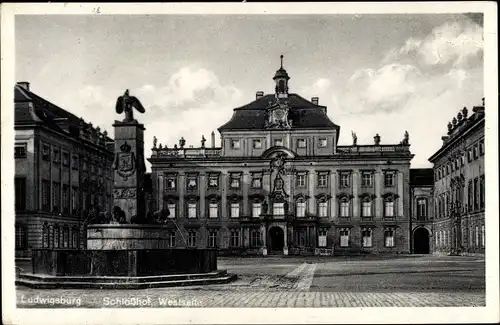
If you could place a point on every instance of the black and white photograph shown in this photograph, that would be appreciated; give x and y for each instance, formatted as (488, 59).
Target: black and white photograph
(284, 159)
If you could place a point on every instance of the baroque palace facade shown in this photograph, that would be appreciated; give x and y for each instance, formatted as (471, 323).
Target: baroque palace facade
(62, 171)
(279, 183)
(459, 186)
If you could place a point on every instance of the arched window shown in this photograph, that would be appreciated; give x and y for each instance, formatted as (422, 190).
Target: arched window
(45, 235)
(300, 207)
(366, 207)
(421, 208)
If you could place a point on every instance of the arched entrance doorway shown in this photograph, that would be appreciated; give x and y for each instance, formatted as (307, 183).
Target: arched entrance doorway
(421, 241)
(277, 239)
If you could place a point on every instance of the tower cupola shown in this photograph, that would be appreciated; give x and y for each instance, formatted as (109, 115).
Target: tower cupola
(281, 79)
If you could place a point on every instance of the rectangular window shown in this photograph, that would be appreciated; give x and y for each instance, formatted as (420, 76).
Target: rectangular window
(344, 180)
(213, 181)
(366, 234)
(323, 209)
(301, 209)
(20, 150)
(235, 238)
(235, 210)
(45, 195)
(322, 234)
(477, 236)
(278, 142)
(476, 193)
(172, 210)
(235, 144)
(481, 147)
(344, 237)
(257, 144)
(255, 238)
(212, 238)
(20, 193)
(322, 180)
(366, 180)
(56, 156)
(301, 143)
(192, 238)
(65, 195)
(301, 180)
(389, 208)
(344, 209)
(75, 238)
(213, 210)
(74, 162)
(323, 143)
(46, 152)
(421, 208)
(389, 237)
(85, 165)
(469, 154)
(192, 183)
(74, 200)
(483, 237)
(256, 180)
(278, 209)
(475, 151)
(191, 210)
(171, 238)
(481, 192)
(235, 180)
(56, 197)
(65, 159)
(366, 208)
(171, 183)
(20, 237)
(389, 179)
(256, 209)
(471, 236)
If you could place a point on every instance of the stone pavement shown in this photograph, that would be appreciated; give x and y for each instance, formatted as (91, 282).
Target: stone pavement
(298, 283)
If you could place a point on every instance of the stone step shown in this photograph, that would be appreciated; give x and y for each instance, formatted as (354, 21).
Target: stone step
(120, 279)
(124, 285)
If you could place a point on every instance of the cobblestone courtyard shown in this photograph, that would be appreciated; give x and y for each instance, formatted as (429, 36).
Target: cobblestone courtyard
(406, 281)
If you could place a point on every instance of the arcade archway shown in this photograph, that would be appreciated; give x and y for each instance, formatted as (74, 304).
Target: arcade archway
(421, 241)
(277, 239)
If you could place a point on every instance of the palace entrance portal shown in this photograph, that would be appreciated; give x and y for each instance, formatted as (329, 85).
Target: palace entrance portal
(421, 241)
(277, 239)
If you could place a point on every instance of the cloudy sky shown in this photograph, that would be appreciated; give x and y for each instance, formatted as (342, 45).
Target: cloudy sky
(376, 73)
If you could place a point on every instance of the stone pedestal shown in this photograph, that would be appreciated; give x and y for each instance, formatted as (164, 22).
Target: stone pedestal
(127, 236)
(129, 169)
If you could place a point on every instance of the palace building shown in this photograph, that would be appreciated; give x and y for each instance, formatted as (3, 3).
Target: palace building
(62, 171)
(279, 183)
(459, 186)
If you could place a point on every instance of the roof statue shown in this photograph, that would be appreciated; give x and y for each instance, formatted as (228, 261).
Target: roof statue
(354, 138)
(127, 103)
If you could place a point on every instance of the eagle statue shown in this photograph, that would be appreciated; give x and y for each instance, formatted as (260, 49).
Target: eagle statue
(127, 103)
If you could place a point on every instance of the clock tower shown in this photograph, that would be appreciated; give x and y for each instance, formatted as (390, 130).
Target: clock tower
(279, 107)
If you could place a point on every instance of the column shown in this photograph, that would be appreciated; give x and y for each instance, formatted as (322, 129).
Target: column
(333, 191)
(355, 201)
(285, 240)
(263, 235)
(246, 185)
(378, 200)
(401, 194)
(159, 198)
(246, 237)
(288, 141)
(182, 191)
(268, 141)
(223, 207)
(203, 187)
(311, 187)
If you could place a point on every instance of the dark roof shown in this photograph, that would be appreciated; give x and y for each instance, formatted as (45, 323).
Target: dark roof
(303, 113)
(45, 112)
(421, 177)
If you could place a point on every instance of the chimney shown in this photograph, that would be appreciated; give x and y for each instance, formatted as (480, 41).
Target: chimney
(212, 140)
(24, 84)
(315, 100)
(259, 95)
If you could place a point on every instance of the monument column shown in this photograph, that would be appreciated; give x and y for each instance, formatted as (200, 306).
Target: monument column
(129, 169)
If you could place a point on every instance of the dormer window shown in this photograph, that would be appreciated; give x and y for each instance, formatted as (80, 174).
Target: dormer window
(235, 144)
(301, 143)
(323, 143)
(278, 142)
(257, 144)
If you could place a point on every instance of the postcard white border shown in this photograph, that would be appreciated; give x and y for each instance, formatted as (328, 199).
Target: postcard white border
(490, 313)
